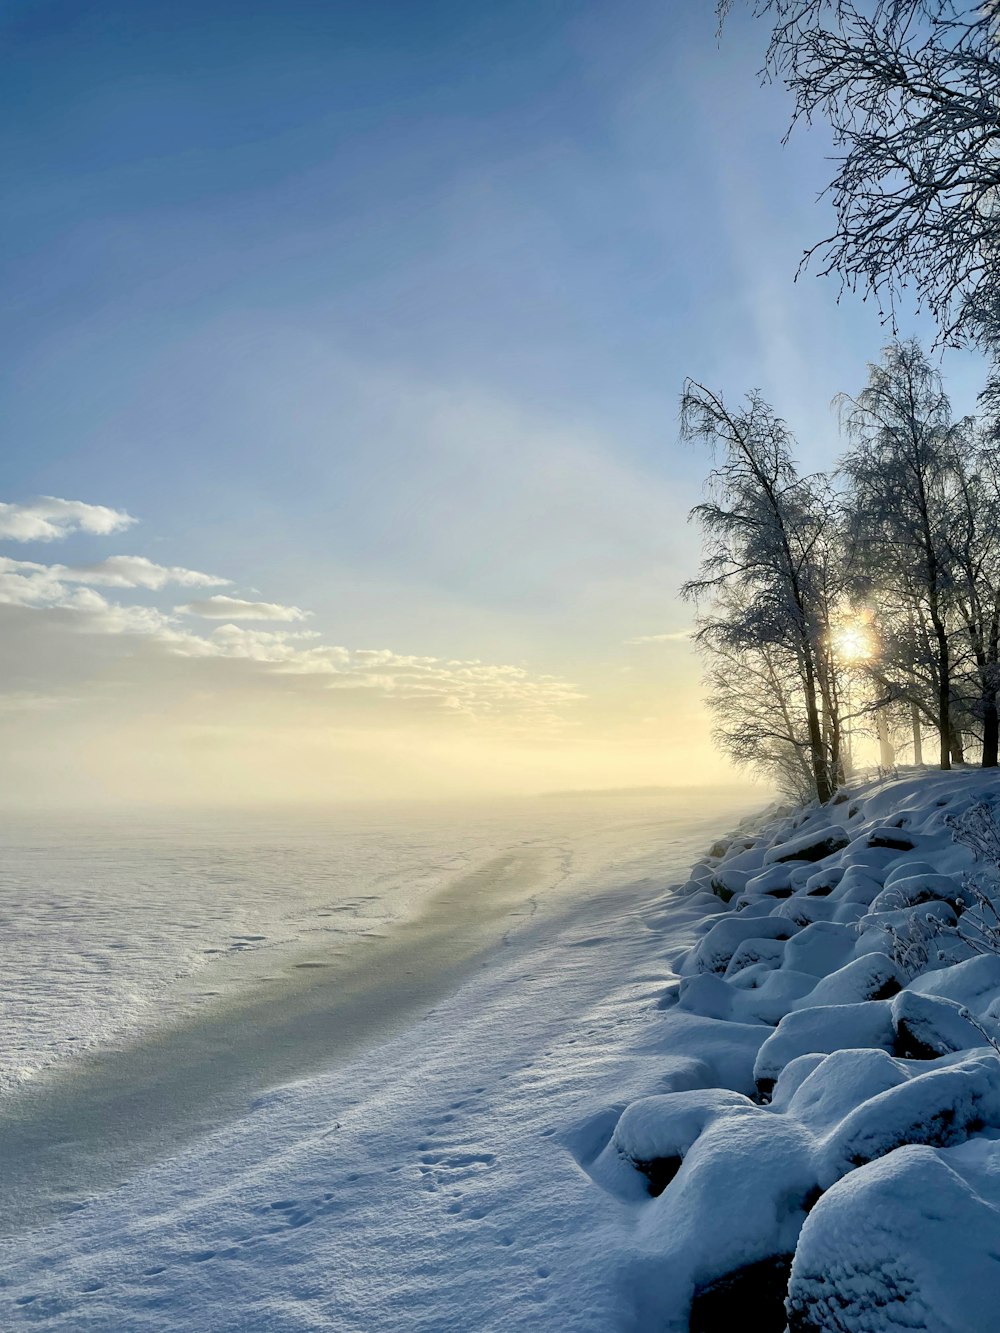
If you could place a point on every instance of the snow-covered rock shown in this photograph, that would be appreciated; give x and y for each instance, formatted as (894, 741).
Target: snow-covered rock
(873, 976)
(715, 951)
(768, 951)
(853, 964)
(820, 948)
(822, 1030)
(816, 845)
(775, 881)
(925, 886)
(942, 1106)
(928, 1026)
(655, 1133)
(974, 983)
(911, 1241)
(857, 885)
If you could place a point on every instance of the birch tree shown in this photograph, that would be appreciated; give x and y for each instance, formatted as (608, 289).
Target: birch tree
(766, 579)
(901, 473)
(911, 91)
(755, 693)
(974, 546)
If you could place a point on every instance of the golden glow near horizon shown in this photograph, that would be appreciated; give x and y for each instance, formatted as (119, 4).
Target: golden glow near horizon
(125, 718)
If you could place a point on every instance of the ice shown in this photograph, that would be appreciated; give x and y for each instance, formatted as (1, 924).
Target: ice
(100, 917)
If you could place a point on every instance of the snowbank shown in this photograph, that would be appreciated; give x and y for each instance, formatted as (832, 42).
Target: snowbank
(852, 1182)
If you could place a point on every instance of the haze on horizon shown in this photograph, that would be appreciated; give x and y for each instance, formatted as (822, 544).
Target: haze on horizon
(348, 339)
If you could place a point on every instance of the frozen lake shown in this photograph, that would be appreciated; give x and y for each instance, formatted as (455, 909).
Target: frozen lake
(109, 925)
(375, 1118)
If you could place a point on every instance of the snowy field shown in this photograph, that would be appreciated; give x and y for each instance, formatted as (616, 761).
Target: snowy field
(648, 1106)
(99, 917)
(519, 1046)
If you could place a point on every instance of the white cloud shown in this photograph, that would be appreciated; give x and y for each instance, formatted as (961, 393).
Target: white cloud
(479, 691)
(476, 689)
(135, 571)
(675, 636)
(26, 583)
(221, 607)
(65, 598)
(49, 518)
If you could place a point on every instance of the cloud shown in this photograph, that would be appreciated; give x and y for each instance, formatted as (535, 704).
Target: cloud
(675, 636)
(135, 571)
(221, 607)
(26, 583)
(478, 691)
(65, 599)
(49, 518)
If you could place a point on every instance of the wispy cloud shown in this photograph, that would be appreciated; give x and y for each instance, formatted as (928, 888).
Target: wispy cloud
(66, 599)
(48, 518)
(135, 571)
(675, 636)
(27, 583)
(221, 607)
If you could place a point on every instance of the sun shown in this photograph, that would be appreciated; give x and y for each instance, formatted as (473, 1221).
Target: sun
(852, 642)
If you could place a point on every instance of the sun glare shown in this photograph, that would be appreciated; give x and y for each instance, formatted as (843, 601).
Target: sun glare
(853, 643)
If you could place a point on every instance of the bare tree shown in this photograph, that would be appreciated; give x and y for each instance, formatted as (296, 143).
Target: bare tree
(911, 89)
(756, 696)
(974, 543)
(901, 474)
(766, 568)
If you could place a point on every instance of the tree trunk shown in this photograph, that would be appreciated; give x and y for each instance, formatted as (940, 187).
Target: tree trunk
(820, 768)
(956, 746)
(991, 732)
(991, 714)
(886, 754)
(918, 746)
(944, 697)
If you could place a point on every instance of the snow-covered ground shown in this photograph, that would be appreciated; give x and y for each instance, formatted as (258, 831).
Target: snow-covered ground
(101, 914)
(769, 1095)
(539, 1015)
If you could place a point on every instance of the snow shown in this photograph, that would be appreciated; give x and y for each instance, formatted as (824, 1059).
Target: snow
(911, 1241)
(870, 977)
(772, 1087)
(716, 950)
(100, 916)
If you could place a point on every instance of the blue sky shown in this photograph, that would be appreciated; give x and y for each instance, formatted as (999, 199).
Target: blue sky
(382, 311)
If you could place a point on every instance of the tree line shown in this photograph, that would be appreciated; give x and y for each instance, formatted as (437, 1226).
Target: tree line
(869, 597)
(866, 597)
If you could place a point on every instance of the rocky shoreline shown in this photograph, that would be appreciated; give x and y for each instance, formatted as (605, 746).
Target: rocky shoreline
(826, 1156)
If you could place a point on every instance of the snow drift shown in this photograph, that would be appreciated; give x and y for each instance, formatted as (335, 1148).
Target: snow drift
(842, 1176)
